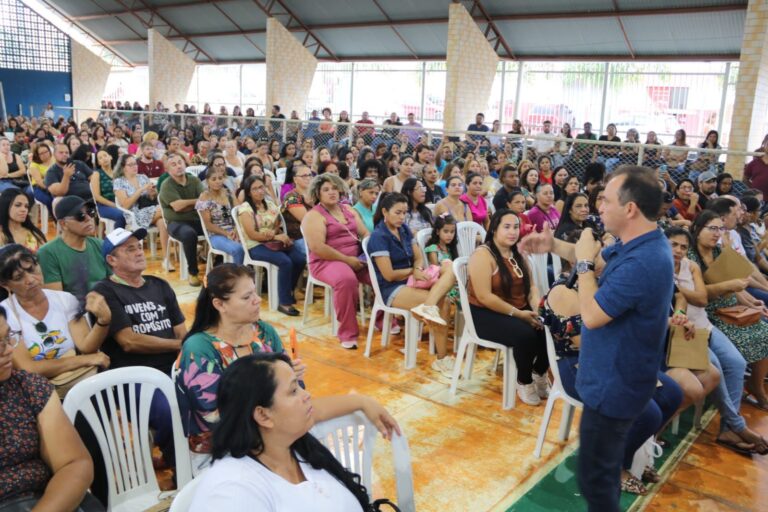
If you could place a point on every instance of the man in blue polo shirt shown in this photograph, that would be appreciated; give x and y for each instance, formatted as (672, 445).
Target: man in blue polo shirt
(624, 316)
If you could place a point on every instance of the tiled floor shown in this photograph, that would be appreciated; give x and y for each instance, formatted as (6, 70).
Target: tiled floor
(470, 455)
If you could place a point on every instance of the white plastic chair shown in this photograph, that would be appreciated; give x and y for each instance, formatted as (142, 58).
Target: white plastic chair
(105, 227)
(271, 270)
(107, 401)
(280, 175)
(421, 238)
(412, 324)
(130, 224)
(42, 210)
(351, 439)
(538, 264)
(194, 170)
(184, 271)
(211, 251)
(309, 298)
(557, 392)
(467, 234)
(183, 500)
(470, 340)
(698, 411)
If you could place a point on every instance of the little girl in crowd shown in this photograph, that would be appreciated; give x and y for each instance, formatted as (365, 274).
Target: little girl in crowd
(442, 245)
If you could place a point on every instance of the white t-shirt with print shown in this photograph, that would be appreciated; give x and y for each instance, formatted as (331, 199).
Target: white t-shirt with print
(245, 484)
(54, 339)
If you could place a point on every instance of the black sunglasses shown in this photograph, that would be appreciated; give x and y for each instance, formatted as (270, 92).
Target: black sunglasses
(83, 214)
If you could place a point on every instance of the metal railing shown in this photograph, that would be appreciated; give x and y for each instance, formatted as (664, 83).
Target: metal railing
(572, 153)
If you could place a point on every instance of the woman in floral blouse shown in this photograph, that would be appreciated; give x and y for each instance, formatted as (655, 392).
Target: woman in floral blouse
(215, 208)
(226, 327)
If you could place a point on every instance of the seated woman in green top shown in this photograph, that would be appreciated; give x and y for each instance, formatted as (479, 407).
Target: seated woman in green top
(103, 193)
(368, 193)
(226, 328)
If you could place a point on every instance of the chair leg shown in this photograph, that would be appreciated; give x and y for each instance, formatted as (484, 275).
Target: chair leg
(274, 299)
(308, 299)
(565, 422)
(209, 262)
(361, 298)
(470, 361)
(457, 366)
(257, 276)
(184, 271)
(371, 326)
(676, 424)
(411, 342)
(328, 294)
(385, 321)
(496, 361)
(699, 409)
(510, 381)
(334, 320)
(153, 245)
(545, 424)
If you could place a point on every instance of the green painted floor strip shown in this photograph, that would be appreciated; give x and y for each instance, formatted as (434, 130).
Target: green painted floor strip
(558, 489)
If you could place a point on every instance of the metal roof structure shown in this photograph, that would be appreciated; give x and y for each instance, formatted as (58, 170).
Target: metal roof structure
(234, 31)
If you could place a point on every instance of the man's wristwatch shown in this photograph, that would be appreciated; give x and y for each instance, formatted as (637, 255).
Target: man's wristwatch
(584, 266)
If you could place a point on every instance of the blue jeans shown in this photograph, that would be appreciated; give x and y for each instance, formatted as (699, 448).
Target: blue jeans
(601, 452)
(727, 396)
(45, 197)
(301, 246)
(656, 413)
(611, 163)
(758, 294)
(112, 213)
(234, 249)
(289, 263)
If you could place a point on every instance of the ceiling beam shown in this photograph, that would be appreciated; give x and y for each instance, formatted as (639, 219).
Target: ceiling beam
(623, 30)
(491, 32)
(274, 8)
(394, 29)
(706, 9)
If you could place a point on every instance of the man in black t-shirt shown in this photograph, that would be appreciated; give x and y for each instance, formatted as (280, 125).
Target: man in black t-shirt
(147, 324)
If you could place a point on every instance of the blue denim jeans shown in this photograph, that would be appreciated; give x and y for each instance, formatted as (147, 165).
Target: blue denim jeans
(113, 214)
(758, 294)
(727, 396)
(235, 249)
(289, 263)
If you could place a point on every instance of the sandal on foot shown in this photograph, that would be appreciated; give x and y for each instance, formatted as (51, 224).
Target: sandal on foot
(632, 485)
(755, 402)
(740, 447)
(650, 475)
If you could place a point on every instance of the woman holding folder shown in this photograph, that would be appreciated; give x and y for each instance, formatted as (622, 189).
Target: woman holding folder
(750, 337)
(734, 433)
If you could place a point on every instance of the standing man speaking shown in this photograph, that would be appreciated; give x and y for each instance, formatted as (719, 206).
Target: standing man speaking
(624, 315)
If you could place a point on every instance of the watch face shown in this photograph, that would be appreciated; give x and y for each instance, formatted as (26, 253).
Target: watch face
(582, 266)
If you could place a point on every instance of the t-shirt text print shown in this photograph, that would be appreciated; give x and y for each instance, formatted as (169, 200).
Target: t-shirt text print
(148, 317)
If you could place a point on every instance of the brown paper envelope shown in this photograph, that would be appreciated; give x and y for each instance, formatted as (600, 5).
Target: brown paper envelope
(729, 265)
(691, 354)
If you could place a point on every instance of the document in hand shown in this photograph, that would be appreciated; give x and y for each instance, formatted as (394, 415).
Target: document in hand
(729, 265)
(691, 354)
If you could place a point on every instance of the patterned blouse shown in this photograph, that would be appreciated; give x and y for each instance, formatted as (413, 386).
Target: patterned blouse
(22, 398)
(293, 199)
(199, 368)
(221, 215)
(105, 186)
(265, 219)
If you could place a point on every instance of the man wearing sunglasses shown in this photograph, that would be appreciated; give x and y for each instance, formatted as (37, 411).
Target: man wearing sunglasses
(72, 262)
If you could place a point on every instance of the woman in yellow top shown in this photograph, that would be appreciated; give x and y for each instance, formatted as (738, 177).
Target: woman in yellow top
(42, 160)
(15, 223)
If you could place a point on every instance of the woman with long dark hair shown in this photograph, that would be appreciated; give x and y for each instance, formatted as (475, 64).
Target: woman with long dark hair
(418, 216)
(15, 223)
(503, 298)
(575, 214)
(262, 448)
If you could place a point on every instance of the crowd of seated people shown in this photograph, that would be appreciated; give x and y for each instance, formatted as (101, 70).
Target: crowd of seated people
(312, 194)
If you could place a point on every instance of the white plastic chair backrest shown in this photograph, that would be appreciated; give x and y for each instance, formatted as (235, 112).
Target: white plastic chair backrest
(240, 231)
(280, 175)
(467, 233)
(205, 229)
(372, 272)
(538, 264)
(195, 170)
(421, 238)
(461, 272)
(183, 500)
(552, 356)
(351, 440)
(108, 401)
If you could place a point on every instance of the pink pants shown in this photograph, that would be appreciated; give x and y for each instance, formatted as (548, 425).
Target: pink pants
(344, 282)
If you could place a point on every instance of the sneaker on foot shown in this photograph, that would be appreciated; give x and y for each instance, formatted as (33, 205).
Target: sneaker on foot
(395, 328)
(542, 385)
(428, 313)
(194, 281)
(527, 393)
(444, 366)
(349, 345)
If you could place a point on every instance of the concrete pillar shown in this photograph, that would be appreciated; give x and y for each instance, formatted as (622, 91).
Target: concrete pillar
(290, 70)
(170, 71)
(471, 67)
(750, 109)
(89, 79)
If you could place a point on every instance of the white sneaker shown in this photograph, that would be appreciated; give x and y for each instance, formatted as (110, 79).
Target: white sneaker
(349, 345)
(542, 385)
(395, 328)
(428, 313)
(444, 366)
(527, 393)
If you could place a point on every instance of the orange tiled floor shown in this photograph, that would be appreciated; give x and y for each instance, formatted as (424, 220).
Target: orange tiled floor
(470, 455)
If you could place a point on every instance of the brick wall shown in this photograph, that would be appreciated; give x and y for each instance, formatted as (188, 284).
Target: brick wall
(89, 79)
(471, 67)
(170, 71)
(290, 70)
(750, 110)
